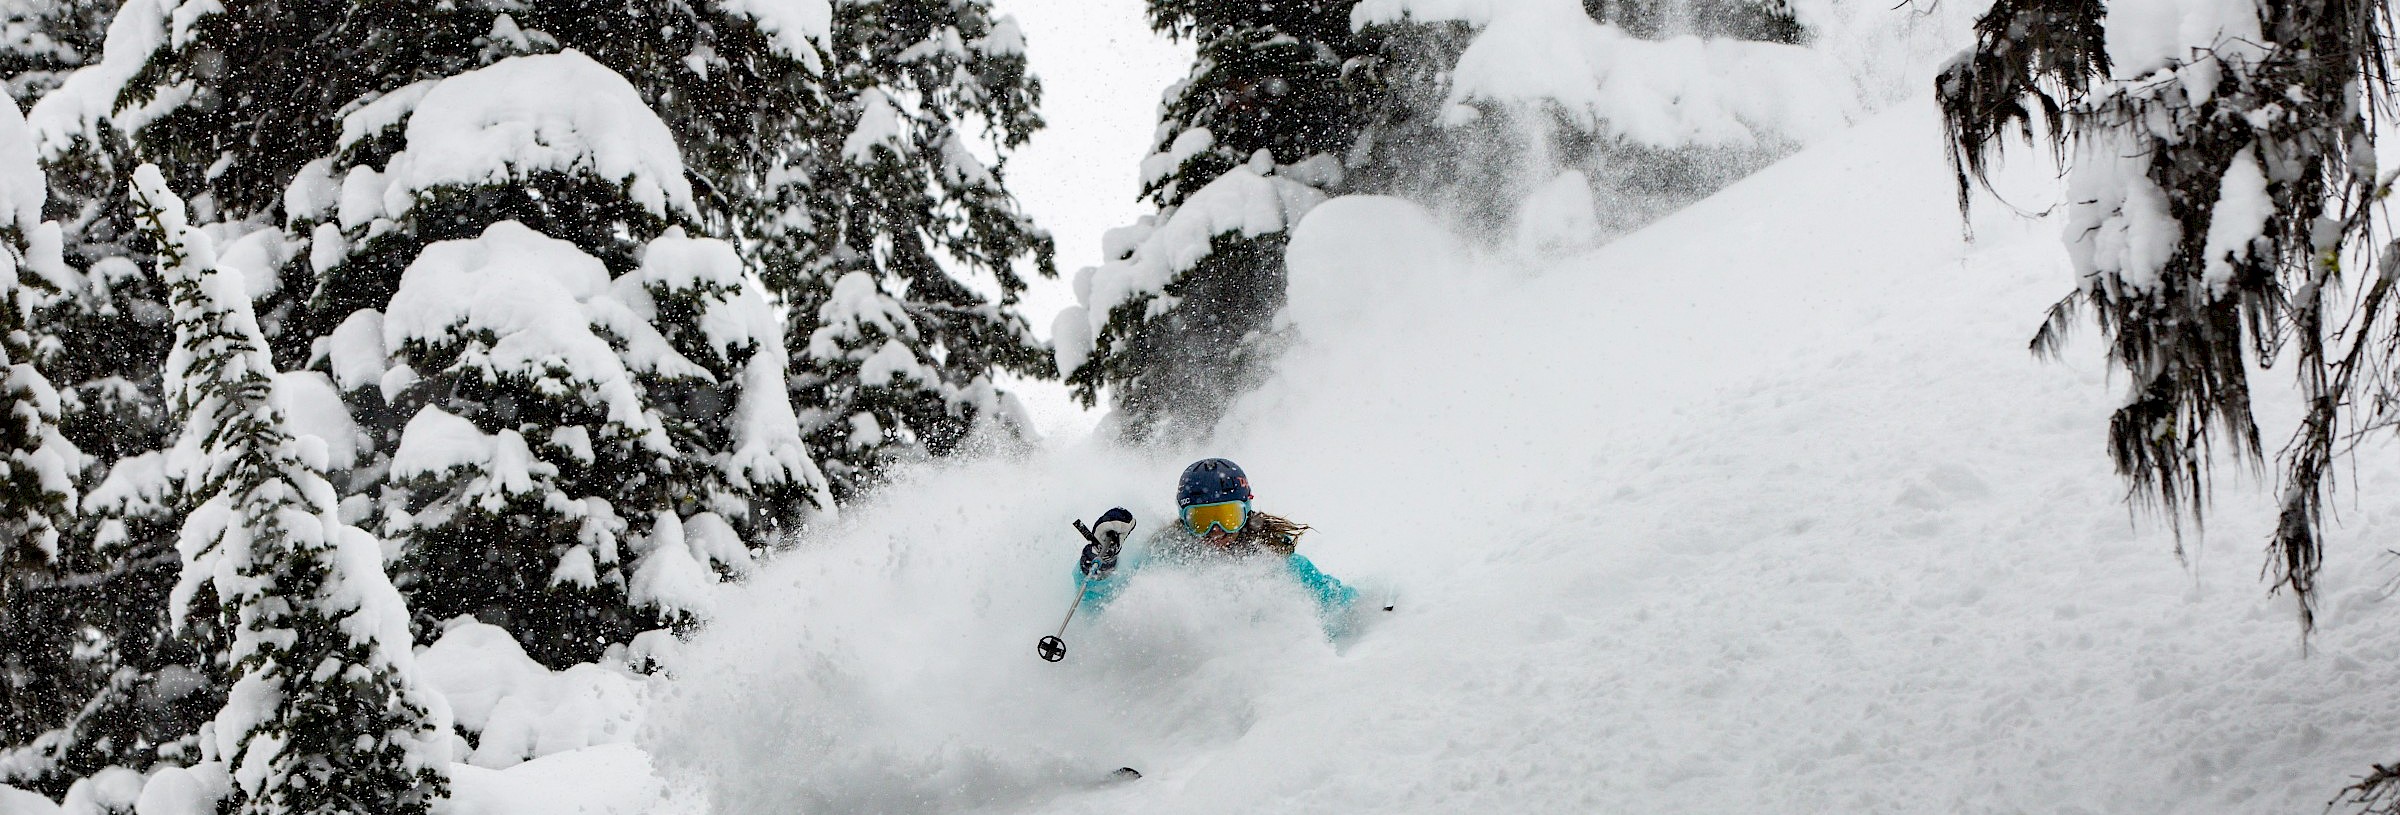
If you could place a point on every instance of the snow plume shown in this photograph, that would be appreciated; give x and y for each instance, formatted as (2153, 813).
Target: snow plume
(888, 665)
(1650, 106)
(1675, 92)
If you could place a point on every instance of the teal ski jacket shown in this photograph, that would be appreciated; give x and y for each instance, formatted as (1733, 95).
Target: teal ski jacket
(1335, 601)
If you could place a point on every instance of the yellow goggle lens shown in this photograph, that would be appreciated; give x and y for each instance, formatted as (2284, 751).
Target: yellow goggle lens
(1227, 516)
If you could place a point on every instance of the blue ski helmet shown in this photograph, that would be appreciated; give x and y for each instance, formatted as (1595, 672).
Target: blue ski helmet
(1210, 481)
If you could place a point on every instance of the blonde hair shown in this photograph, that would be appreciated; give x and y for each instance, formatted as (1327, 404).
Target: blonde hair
(1273, 533)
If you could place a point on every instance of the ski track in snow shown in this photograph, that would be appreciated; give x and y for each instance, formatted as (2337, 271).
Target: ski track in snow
(1764, 508)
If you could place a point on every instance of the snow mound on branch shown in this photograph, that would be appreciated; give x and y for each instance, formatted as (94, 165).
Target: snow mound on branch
(794, 27)
(195, 790)
(2118, 221)
(315, 410)
(1677, 92)
(23, 189)
(539, 301)
(768, 448)
(22, 186)
(355, 351)
(24, 802)
(113, 789)
(879, 128)
(558, 112)
(675, 262)
(521, 711)
(75, 109)
(1149, 257)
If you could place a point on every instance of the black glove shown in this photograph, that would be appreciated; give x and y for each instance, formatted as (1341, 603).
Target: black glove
(1108, 538)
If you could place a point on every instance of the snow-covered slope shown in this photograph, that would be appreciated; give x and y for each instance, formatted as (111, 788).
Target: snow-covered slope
(1764, 508)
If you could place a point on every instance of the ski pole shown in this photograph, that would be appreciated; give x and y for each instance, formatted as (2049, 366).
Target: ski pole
(1052, 648)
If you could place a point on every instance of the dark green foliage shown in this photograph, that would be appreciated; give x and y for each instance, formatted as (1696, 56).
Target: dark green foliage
(470, 547)
(1183, 369)
(1273, 79)
(2293, 104)
(455, 568)
(929, 230)
(42, 40)
(2030, 56)
(95, 678)
(88, 677)
(270, 80)
(1269, 76)
(1755, 20)
(350, 734)
(733, 117)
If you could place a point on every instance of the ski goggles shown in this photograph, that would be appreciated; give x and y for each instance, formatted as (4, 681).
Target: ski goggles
(1223, 515)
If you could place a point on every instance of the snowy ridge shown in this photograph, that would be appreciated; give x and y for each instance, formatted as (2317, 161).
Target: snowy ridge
(1763, 508)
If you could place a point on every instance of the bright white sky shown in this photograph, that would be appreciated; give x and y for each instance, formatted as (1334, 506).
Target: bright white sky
(1102, 71)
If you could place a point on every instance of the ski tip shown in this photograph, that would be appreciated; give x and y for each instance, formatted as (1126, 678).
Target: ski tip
(1126, 774)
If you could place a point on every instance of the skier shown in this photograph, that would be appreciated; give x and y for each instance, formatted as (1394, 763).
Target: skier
(1214, 498)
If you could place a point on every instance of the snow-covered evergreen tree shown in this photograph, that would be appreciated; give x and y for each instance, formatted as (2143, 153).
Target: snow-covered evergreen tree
(571, 383)
(252, 146)
(42, 40)
(748, 460)
(326, 715)
(897, 250)
(86, 622)
(37, 463)
(42, 681)
(1177, 322)
(2221, 197)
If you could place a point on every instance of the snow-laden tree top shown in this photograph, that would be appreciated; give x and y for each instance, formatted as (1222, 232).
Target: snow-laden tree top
(1675, 92)
(558, 112)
